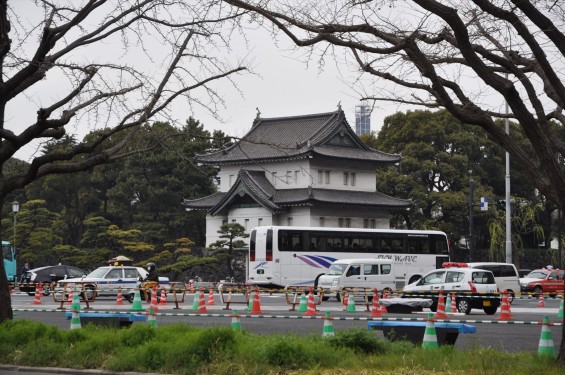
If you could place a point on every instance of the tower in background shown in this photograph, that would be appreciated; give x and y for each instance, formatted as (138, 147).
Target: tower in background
(363, 118)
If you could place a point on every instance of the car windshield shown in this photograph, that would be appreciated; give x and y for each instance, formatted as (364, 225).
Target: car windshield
(99, 272)
(537, 275)
(337, 269)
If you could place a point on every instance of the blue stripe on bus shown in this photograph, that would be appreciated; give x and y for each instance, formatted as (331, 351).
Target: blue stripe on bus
(317, 261)
(259, 265)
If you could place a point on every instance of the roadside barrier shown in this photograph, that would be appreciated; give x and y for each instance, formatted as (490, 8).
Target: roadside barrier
(37, 296)
(66, 295)
(505, 313)
(151, 319)
(136, 305)
(311, 308)
(328, 329)
(376, 311)
(231, 294)
(363, 293)
(235, 322)
(545, 346)
(175, 289)
(154, 304)
(75, 308)
(201, 302)
(256, 308)
(163, 299)
(120, 298)
(540, 301)
(430, 336)
(350, 303)
(440, 313)
(299, 298)
(211, 301)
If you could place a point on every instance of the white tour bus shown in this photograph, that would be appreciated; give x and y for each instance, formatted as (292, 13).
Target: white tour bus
(297, 256)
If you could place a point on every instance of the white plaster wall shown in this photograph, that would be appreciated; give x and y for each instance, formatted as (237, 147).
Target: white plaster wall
(253, 214)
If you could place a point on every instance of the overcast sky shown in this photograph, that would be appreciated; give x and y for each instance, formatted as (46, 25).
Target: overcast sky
(286, 86)
(283, 84)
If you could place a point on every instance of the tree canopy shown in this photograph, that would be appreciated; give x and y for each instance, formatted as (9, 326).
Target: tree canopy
(101, 67)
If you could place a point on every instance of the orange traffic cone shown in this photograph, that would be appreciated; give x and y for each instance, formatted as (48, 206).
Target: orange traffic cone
(453, 303)
(345, 299)
(505, 313)
(163, 299)
(311, 308)
(153, 304)
(440, 313)
(71, 294)
(540, 301)
(38, 291)
(201, 301)
(376, 311)
(211, 297)
(256, 307)
(120, 299)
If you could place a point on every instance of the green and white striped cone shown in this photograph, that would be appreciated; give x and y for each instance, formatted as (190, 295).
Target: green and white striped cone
(75, 305)
(195, 302)
(303, 306)
(430, 336)
(328, 329)
(136, 305)
(545, 347)
(448, 304)
(235, 322)
(75, 308)
(351, 304)
(151, 319)
(560, 314)
(250, 305)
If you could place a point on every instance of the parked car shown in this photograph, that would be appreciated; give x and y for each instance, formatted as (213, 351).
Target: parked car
(543, 281)
(505, 274)
(523, 272)
(358, 274)
(108, 280)
(48, 276)
(474, 288)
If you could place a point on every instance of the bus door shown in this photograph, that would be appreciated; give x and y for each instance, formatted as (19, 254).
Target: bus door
(261, 256)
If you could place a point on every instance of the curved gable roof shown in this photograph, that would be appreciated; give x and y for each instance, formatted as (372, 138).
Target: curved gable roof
(283, 138)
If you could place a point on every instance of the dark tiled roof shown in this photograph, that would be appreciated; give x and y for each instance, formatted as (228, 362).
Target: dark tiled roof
(255, 184)
(283, 138)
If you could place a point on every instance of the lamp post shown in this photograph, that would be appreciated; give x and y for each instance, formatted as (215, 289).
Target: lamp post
(15, 209)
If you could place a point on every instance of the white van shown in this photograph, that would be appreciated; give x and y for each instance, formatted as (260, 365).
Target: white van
(358, 274)
(505, 274)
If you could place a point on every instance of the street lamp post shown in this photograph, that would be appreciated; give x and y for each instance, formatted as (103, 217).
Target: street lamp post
(15, 209)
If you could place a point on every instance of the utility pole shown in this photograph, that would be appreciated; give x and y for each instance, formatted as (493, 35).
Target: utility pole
(471, 199)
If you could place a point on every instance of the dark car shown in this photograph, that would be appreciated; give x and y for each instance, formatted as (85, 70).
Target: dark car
(48, 275)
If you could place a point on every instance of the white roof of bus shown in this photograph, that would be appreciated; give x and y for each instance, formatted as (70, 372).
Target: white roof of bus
(327, 229)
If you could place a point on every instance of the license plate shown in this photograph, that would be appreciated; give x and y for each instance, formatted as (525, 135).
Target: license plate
(486, 302)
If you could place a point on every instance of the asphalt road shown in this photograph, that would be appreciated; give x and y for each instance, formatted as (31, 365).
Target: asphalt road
(520, 334)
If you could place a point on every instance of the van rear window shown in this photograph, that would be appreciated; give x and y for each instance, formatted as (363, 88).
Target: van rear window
(480, 277)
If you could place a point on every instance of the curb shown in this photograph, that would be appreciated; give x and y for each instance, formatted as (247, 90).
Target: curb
(60, 370)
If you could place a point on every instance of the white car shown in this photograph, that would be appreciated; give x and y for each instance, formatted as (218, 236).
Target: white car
(106, 281)
(474, 288)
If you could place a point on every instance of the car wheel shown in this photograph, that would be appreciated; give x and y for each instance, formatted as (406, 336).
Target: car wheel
(46, 289)
(129, 297)
(464, 306)
(538, 291)
(433, 307)
(490, 310)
